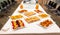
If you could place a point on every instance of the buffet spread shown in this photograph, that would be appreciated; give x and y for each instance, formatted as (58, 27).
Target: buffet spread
(30, 18)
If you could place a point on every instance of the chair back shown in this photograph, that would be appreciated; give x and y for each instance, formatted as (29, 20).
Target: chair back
(49, 2)
(54, 5)
(8, 1)
(58, 8)
(5, 3)
(2, 5)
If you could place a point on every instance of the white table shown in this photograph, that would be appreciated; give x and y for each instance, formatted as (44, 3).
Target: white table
(30, 28)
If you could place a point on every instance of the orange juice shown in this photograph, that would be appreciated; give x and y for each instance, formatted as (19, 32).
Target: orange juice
(21, 6)
(37, 6)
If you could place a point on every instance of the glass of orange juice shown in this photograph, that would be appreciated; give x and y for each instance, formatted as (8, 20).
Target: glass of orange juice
(37, 6)
(21, 6)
